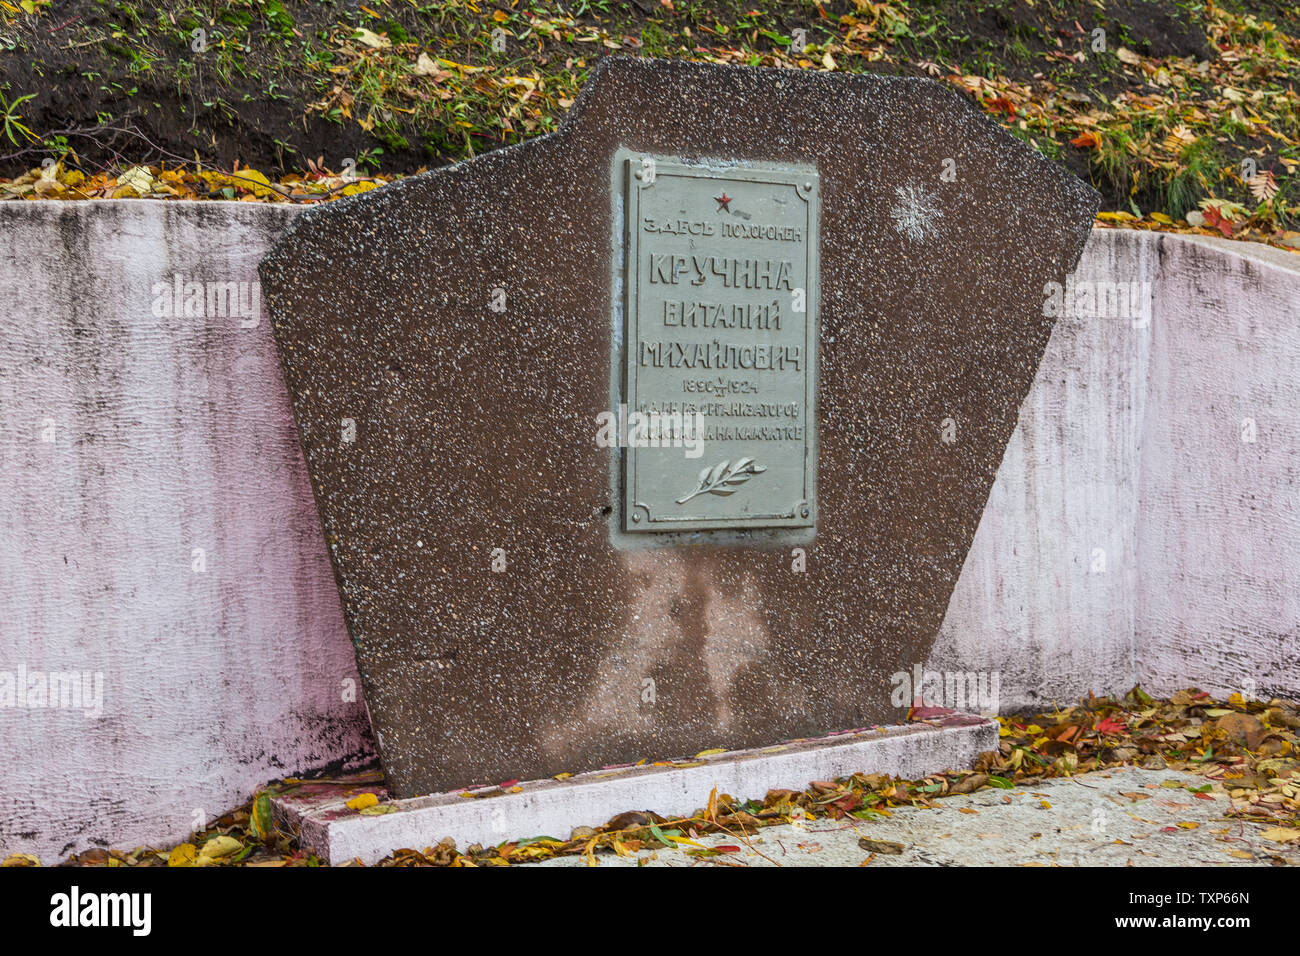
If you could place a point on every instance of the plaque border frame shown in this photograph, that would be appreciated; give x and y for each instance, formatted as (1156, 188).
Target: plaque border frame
(638, 517)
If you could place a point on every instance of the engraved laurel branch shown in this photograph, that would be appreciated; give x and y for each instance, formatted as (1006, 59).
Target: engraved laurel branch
(722, 478)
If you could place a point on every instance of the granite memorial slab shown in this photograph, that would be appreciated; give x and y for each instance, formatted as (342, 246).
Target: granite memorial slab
(669, 430)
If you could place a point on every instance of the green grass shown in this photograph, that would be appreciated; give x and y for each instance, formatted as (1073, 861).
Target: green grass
(302, 59)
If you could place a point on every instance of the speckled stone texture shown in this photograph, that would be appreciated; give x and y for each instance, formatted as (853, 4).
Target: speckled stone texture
(475, 429)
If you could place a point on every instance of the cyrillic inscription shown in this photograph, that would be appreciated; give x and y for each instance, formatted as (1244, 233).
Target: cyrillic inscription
(720, 299)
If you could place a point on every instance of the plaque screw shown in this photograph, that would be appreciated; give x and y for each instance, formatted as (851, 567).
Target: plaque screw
(637, 174)
(636, 518)
(807, 186)
(805, 512)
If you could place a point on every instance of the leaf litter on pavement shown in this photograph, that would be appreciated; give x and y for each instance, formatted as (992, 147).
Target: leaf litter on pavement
(1247, 750)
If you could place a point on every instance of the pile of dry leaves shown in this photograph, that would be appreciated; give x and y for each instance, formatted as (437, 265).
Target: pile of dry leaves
(318, 184)
(1247, 749)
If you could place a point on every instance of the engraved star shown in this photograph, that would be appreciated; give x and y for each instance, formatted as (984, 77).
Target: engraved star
(723, 201)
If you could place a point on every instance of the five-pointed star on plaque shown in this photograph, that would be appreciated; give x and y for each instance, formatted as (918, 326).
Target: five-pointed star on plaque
(723, 201)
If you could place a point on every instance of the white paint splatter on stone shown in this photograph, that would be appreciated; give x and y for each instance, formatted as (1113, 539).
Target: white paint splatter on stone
(915, 213)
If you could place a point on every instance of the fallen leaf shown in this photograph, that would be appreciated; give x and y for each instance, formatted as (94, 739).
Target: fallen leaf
(218, 848)
(372, 40)
(259, 817)
(1111, 726)
(887, 847)
(1237, 726)
(363, 801)
(1263, 186)
(183, 855)
(137, 178)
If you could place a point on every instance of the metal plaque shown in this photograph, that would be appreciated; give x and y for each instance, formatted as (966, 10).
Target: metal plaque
(720, 304)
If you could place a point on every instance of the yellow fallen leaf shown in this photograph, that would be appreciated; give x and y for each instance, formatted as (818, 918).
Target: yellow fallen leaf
(1126, 55)
(1188, 825)
(182, 855)
(217, 848)
(1161, 217)
(21, 859)
(371, 39)
(710, 753)
(363, 801)
(137, 178)
(254, 181)
(360, 187)
(1282, 835)
(687, 842)
(463, 67)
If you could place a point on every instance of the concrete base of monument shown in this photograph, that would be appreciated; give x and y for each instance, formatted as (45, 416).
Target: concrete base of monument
(326, 826)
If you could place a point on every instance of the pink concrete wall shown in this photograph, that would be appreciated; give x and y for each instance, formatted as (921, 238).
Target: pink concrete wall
(172, 433)
(168, 434)
(1218, 556)
(1132, 535)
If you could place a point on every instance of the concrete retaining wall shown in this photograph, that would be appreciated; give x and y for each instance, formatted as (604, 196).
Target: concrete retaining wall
(1144, 524)
(158, 528)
